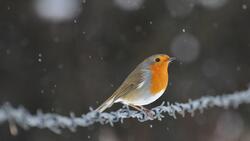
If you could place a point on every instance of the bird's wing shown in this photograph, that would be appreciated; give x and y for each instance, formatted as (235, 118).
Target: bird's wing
(131, 83)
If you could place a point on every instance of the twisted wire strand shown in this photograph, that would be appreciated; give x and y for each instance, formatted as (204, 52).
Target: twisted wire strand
(55, 122)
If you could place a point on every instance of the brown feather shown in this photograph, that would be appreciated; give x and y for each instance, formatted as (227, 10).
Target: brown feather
(129, 84)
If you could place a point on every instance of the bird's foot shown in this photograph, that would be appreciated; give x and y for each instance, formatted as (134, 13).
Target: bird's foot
(148, 112)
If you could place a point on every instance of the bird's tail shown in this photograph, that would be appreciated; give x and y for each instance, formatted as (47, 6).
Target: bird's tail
(109, 102)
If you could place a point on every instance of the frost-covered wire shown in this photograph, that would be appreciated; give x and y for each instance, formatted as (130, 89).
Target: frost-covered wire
(55, 122)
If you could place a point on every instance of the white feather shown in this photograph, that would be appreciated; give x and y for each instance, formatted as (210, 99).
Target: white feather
(141, 84)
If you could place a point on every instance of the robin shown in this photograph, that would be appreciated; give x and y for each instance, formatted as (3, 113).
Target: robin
(143, 86)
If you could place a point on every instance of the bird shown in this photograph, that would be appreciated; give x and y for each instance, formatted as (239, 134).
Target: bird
(144, 85)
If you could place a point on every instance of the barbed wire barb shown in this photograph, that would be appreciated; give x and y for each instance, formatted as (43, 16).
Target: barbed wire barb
(55, 122)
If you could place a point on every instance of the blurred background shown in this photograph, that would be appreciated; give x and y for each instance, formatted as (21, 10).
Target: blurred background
(65, 56)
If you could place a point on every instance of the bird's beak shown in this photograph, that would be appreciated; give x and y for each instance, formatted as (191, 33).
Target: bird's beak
(171, 59)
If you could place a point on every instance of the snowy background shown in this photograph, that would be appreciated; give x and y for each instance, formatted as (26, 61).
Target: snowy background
(64, 56)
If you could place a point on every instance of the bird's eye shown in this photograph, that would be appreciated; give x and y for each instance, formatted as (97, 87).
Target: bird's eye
(157, 59)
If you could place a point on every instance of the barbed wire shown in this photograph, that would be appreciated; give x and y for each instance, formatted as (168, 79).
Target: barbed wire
(55, 122)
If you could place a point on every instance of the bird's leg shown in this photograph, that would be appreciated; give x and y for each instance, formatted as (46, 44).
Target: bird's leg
(143, 109)
(135, 107)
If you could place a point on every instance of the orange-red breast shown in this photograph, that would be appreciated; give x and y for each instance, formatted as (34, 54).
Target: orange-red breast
(144, 85)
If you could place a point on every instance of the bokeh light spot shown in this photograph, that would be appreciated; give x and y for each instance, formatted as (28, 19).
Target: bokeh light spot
(129, 5)
(185, 47)
(57, 10)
